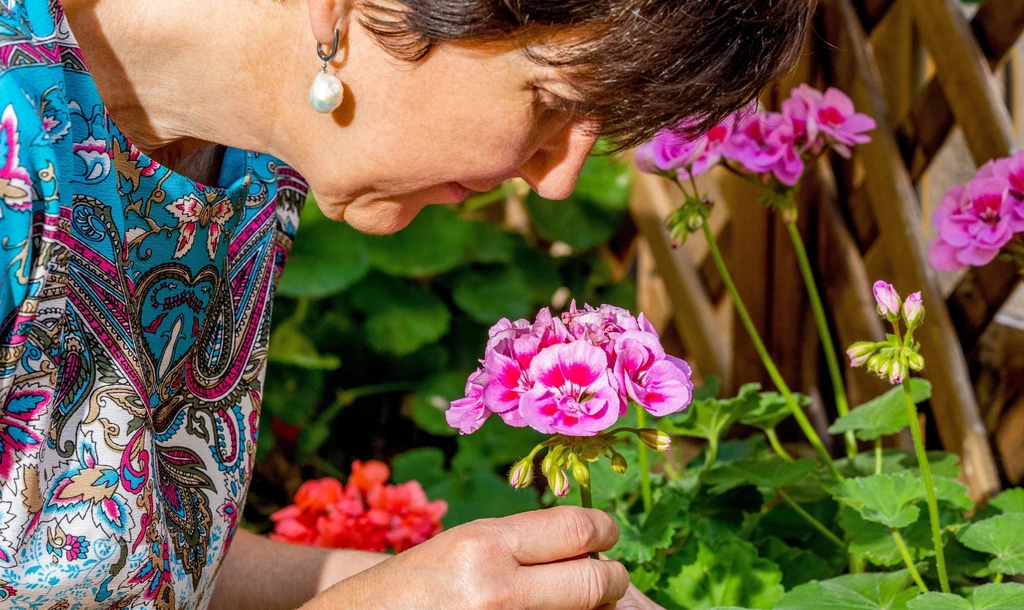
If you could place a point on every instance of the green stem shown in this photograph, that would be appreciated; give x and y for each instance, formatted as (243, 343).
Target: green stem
(929, 486)
(766, 359)
(773, 440)
(645, 471)
(878, 455)
(998, 578)
(586, 499)
(814, 295)
(910, 562)
(818, 525)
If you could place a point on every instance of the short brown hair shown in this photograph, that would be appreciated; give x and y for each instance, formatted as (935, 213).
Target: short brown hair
(641, 66)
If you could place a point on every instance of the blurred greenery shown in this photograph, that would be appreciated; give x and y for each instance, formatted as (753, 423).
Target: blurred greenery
(373, 336)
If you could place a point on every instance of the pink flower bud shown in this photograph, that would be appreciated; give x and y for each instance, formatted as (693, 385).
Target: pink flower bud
(913, 310)
(655, 439)
(896, 370)
(522, 473)
(860, 352)
(558, 482)
(888, 300)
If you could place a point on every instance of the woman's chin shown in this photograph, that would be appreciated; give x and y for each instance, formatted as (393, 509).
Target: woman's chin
(384, 216)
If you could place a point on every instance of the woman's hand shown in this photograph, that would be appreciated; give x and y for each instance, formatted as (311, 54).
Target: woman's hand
(531, 561)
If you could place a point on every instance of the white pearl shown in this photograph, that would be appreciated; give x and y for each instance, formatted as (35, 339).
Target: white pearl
(326, 93)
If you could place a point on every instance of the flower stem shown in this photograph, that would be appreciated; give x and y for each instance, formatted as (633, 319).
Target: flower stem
(814, 295)
(907, 560)
(766, 359)
(773, 440)
(929, 485)
(586, 499)
(998, 578)
(818, 525)
(878, 455)
(645, 470)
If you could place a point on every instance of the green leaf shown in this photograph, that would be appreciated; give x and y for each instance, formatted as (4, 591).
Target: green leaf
(1005, 596)
(489, 244)
(425, 465)
(1002, 536)
(433, 398)
(879, 591)
(292, 394)
(400, 317)
(488, 295)
(701, 577)
(605, 181)
(798, 565)
(708, 390)
(288, 345)
(638, 544)
(711, 418)
(889, 499)
(541, 268)
(884, 415)
(644, 578)
(1010, 501)
(897, 461)
(766, 474)
(874, 541)
(770, 410)
(952, 492)
(326, 258)
(434, 242)
(494, 446)
(479, 495)
(311, 438)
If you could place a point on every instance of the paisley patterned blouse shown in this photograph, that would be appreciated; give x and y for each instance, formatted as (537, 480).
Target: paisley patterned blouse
(134, 317)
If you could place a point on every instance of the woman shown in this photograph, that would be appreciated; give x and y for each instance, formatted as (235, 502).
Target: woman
(135, 303)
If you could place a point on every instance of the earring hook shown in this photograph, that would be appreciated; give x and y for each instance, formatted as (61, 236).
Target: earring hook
(334, 48)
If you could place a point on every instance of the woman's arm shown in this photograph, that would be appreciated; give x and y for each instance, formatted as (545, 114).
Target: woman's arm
(262, 574)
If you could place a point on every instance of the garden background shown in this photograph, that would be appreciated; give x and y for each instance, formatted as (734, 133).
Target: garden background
(374, 336)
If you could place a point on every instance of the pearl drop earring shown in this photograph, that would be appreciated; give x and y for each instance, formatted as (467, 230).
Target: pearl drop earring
(327, 92)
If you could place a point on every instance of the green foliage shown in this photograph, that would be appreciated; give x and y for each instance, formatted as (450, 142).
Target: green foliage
(882, 416)
(767, 474)
(1002, 536)
(1006, 596)
(889, 499)
(700, 576)
(326, 258)
(883, 591)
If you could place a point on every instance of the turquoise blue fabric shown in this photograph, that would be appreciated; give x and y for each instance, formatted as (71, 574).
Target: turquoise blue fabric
(134, 320)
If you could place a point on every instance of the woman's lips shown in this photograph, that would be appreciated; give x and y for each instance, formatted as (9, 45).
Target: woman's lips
(453, 192)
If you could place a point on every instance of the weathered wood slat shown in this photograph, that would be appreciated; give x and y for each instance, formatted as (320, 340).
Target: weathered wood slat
(894, 200)
(966, 78)
(997, 26)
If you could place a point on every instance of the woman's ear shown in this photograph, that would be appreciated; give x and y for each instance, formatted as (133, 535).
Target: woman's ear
(327, 15)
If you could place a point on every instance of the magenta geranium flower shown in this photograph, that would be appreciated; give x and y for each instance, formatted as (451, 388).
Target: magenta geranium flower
(765, 143)
(830, 116)
(573, 392)
(468, 414)
(655, 381)
(974, 222)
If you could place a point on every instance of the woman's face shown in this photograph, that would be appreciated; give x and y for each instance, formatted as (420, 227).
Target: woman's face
(411, 135)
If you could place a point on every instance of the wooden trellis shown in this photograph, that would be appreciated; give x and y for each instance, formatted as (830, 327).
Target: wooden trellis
(921, 69)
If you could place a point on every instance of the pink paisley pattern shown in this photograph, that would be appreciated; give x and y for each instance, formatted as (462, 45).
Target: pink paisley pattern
(134, 317)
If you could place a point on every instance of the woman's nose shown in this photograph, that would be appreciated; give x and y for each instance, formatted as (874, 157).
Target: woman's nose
(554, 169)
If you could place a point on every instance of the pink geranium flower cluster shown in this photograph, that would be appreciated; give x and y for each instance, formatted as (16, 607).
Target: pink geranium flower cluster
(977, 220)
(366, 513)
(572, 375)
(770, 145)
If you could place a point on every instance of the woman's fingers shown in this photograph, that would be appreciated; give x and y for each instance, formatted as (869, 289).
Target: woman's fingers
(580, 584)
(556, 534)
